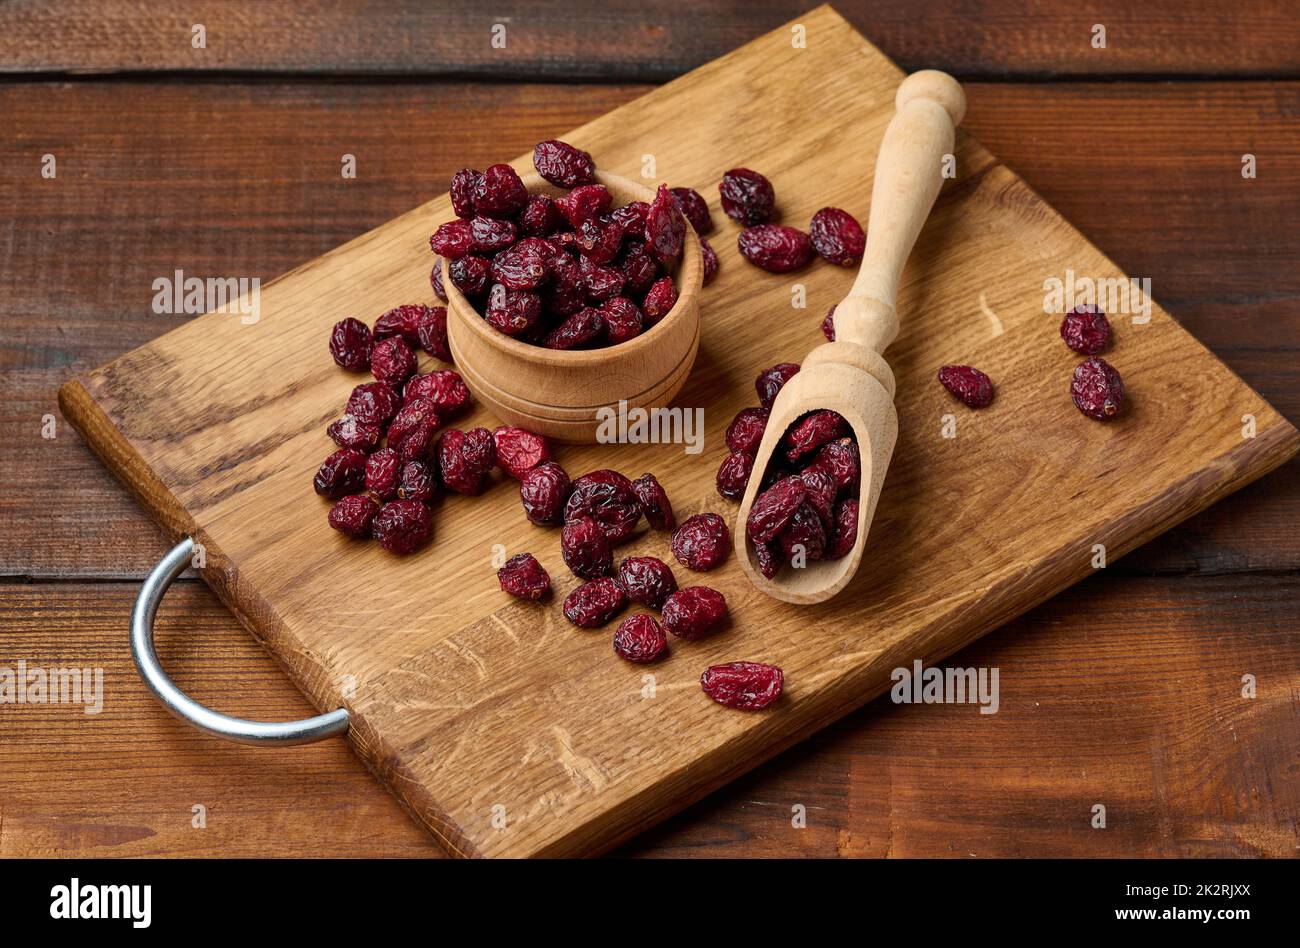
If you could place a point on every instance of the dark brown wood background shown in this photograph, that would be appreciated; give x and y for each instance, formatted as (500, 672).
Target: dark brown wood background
(1124, 691)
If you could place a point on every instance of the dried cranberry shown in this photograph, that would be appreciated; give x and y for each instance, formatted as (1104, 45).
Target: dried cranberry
(348, 432)
(593, 604)
(693, 611)
(838, 236)
(647, 580)
(665, 228)
(845, 533)
(746, 196)
(775, 247)
(812, 431)
(804, 535)
(523, 266)
(638, 267)
(524, 577)
(640, 639)
(383, 472)
(432, 333)
(519, 451)
(342, 473)
(609, 498)
(600, 282)
(543, 491)
(733, 475)
(416, 415)
(351, 344)
(659, 300)
(695, 208)
(499, 192)
(435, 279)
(417, 441)
(566, 294)
(1097, 389)
(463, 183)
(748, 686)
(401, 321)
(539, 216)
(631, 217)
(828, 325)
(353, 515)
(599, 241)
(465, 458)
(491, 235)
(654, 503)
(769, 557)
(745, 432)
(623, 319)
(562, 164)
(580, 329)
(701, 543)
(773, 508)
(1085, 329)
(373, 403)
(821, 495)
(403, 526)
(583, 202)
(585, 548)
(770, 381)
(417, 482)
(452, 240)
(392, 360)
(967, 383)
(443, 387)
(416, 438)
(710, 259)
(840, 460)
(512, 311)
(471, 274)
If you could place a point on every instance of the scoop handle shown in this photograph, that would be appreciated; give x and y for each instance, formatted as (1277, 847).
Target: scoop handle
(909, 172)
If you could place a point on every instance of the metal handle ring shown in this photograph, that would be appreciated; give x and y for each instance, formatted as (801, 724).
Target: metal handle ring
(303, 731)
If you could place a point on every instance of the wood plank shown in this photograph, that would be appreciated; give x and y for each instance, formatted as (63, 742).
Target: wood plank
(465, 704)
(72, 297)
(629, 40)
(129, 776)
(1149, 722)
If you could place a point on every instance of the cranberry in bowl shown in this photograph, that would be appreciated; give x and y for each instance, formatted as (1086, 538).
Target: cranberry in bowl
(548, 352)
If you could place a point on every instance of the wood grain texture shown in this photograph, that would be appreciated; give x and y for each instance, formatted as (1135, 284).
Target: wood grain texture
(165, 197)
(1121, 690)
(464, 704)
(630, 40)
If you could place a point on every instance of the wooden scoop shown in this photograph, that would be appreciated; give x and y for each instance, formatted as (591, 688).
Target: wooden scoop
(849, 375)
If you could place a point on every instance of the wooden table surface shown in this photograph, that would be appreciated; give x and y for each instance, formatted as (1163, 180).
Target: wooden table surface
(1125, 691)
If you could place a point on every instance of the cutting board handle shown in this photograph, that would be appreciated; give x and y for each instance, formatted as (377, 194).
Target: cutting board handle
(304, 731)
(909, 172)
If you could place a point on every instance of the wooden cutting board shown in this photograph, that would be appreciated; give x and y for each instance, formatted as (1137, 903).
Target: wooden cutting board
(505, 730)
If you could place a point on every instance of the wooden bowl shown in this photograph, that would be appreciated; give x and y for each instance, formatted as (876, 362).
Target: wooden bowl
(559, 393)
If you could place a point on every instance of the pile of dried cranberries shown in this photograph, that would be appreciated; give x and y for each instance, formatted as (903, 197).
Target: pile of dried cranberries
(572, 272)
(808, 506)
(395, 455)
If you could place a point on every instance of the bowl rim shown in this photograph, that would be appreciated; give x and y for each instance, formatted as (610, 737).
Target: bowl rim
(690, 281)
